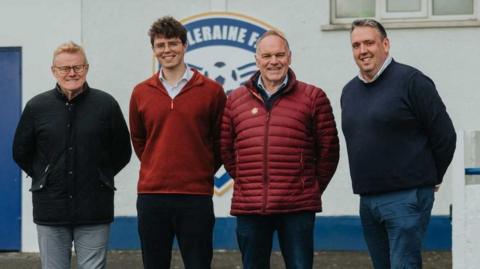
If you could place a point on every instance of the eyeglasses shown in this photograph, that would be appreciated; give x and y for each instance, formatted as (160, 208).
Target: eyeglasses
(172, 45)
(78, 69)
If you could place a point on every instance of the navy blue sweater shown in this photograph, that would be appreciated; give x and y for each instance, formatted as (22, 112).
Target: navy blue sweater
(398, 133)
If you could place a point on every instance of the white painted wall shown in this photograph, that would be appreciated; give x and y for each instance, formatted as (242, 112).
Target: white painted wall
(114, 33)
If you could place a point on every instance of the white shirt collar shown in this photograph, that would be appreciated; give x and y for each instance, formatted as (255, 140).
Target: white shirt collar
(384, 66)
(187, 75)
(174, 90)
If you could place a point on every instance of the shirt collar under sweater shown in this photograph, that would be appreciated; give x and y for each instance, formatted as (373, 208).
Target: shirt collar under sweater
(173, 90)
(384, 66)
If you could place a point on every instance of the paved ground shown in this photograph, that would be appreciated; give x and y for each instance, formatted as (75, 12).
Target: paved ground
(231, 260)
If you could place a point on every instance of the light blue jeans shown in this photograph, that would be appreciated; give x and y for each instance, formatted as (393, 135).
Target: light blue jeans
(90, 243)
(394, 225)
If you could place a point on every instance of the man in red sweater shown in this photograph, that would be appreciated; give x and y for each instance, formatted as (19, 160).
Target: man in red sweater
(174, 123)
(280, 144)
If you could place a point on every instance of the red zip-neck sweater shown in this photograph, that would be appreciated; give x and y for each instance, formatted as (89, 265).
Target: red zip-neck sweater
(177, 140)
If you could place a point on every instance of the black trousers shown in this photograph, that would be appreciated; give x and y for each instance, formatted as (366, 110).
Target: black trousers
(190, 218)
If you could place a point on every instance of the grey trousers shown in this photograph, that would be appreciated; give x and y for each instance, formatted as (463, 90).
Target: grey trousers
(89, 241)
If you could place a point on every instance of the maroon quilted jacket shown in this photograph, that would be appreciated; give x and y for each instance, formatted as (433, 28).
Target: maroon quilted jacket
(283, 159)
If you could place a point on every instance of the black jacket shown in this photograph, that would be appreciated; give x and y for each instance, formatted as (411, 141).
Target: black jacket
(72, 150)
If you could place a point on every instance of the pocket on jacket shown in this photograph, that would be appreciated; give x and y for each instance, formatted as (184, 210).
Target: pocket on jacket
(39, 184)
(304, 179)
(301, 162)
(237, 158)
(106, 180)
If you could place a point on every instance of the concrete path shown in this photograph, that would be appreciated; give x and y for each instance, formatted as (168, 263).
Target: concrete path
(231, 260)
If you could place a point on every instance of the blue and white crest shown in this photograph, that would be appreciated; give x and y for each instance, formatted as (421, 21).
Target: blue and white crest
(222, 47)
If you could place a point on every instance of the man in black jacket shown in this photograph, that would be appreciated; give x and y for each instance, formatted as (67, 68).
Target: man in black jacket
(72, 141)
(400, 141)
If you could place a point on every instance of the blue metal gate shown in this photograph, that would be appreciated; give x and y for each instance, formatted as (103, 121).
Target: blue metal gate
(10, 176)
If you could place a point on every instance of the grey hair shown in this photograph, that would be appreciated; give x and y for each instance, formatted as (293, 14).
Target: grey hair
(274, 33)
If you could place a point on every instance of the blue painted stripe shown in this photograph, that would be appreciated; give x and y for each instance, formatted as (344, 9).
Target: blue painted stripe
(472, 171)
(331, 233)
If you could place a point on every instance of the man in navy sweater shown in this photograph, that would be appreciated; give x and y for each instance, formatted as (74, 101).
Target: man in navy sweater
(400, 141)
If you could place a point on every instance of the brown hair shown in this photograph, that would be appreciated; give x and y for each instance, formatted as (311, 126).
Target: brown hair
(168, 27)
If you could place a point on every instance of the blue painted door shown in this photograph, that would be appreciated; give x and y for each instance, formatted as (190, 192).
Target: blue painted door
(10, 176)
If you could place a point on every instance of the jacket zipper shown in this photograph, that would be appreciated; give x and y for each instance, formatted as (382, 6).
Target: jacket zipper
(265, 163)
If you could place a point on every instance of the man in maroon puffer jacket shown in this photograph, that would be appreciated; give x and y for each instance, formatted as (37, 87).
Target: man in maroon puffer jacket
(279, 142)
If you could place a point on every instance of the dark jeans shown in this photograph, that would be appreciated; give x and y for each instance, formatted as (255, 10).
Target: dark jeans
(188, 217)
(394, 225)
(295, 235)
